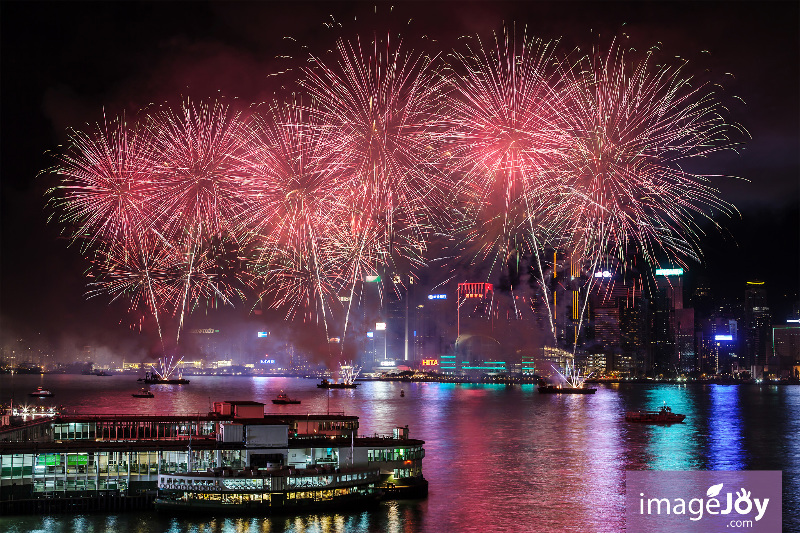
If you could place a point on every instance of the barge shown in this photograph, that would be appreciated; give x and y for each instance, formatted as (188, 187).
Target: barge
(236, 458)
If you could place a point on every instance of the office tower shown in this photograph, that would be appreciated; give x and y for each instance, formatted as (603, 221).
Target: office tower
(757, 328)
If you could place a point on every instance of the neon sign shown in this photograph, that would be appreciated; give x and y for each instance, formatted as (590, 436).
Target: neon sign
(669, 272)
(437, 297)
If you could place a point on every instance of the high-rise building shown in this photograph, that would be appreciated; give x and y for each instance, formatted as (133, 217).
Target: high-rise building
(672, 337)
(477, 348)
(757, 327)
(400, 319)
(786, 349)
(435, 326)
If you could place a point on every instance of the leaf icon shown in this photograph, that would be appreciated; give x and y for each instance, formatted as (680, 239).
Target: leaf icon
(714, 490)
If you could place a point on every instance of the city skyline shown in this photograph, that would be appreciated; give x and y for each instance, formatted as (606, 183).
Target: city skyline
(43, 280)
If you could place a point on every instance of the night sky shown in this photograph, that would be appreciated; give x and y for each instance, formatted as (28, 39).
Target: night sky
(66, 63)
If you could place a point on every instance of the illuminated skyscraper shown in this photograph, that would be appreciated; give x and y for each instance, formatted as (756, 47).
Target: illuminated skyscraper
(757, 327)
(672, 339)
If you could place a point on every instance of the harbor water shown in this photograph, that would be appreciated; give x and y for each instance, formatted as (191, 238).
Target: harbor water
(498, 457)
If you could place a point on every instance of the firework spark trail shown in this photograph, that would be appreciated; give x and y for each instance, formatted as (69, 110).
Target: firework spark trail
(199, 170)
(105, 184)
(505, 129)
(506, 137)
(626, 187)
(377, 108)
(633, 136)
(291, 205)
(348, 372)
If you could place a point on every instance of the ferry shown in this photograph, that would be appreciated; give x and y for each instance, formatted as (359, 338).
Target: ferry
(143, 393)
(237, 458)
(663, 416)
(283, 398)
(41, 393)
(329, 385)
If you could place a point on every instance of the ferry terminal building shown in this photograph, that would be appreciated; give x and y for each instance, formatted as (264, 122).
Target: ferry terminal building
(233, 458)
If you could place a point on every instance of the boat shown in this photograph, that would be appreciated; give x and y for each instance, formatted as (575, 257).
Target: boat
(273, 474)
(41, 393)
(144, 393)
(152, 379)
(553, 389)
(328, 385)
(663, 416)
(283, 398)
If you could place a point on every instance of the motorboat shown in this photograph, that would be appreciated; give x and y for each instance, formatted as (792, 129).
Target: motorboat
(283, 398)
(663, 416)
(143, 393)
(41, 393)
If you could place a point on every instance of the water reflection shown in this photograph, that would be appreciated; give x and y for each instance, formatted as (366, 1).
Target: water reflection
(725, 429)
(497, 457)
(672, 446)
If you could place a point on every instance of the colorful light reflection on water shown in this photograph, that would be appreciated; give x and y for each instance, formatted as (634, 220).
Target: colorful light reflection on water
(498, 458)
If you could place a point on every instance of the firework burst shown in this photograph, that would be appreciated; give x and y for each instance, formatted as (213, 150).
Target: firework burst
(505, 113)
(635, 128)
(377, 110)
(105, 184)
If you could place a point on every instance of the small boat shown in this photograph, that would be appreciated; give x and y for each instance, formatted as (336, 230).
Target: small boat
(663, 416)
(328, 385)
(553, 389)
(144, 393)
(283, 398)
(41, 393)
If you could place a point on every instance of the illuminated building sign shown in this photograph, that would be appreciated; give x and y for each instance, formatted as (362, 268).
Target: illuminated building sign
(267, 361)
(263, 334)
(603, 274)
(205, 331)
(723, 337)
(380, 326)
(335, 340)
(344, 298)
(437, 297)
(372, 279)
(370, 334)
(669, 272)
(475, 290)
(387, 363)
(430, 362)
(793, 321)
